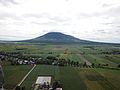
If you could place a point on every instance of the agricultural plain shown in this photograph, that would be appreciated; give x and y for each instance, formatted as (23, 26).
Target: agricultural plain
(82, 67)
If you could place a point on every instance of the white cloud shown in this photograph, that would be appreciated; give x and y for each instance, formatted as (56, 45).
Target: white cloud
(97, 20)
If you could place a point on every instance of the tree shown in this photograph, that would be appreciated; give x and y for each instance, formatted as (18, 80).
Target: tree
(93, 65)
(85, 64)
(68, 62)
(119, 66)
(99, 65)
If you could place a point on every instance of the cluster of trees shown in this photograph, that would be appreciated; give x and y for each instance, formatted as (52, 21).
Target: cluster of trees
(114, 52)
(17, 58)
(8, 55)
(118, 65)
(60, 61)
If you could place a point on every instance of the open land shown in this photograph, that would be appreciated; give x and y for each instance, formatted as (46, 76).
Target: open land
(82, 67)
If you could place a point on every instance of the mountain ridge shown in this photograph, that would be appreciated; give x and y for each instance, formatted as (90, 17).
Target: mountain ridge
(58, 37)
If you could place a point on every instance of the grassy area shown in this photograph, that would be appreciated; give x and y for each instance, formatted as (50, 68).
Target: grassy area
(68, 76)
(97, 59)
(39, 70)
(94, 79)
(72, 78)
(14, 74)
(112, 76)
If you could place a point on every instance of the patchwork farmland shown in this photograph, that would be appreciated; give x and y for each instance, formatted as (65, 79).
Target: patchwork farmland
(76, 67)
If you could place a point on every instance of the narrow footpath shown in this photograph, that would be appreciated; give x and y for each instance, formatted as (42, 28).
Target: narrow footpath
(25, 76)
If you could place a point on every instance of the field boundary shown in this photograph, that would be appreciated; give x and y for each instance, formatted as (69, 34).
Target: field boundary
(84, 59)
(25, 76)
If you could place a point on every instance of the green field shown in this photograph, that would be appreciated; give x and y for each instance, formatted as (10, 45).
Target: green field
(72, 78)
(77, 78)
(14, 74)
(68, 76)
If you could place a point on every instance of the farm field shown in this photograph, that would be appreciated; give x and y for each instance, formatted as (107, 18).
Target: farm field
(103, 76)
(66, 75)
(77, 78)
(14, 74)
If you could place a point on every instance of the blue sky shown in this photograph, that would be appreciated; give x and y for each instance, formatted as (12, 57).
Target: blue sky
(95, 20)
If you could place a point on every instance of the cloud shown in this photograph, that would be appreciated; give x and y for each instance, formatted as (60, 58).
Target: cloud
(102, 31)
(107, 5)
(45, 23)
(53, 18)
(7, 2)
(35, 15)
(6, 15)
(59, 19)
(95, 20)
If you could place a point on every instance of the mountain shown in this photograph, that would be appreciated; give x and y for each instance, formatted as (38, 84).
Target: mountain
(57, 37)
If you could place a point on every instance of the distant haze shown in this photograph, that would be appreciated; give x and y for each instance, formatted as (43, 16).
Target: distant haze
(94, 20)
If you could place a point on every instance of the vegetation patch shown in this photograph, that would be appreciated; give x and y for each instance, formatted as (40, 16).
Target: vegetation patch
(95, 77)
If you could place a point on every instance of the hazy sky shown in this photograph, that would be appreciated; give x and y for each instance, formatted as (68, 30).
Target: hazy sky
(97, 20)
